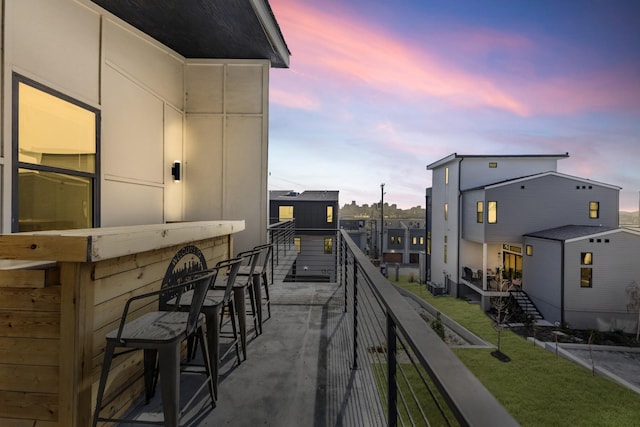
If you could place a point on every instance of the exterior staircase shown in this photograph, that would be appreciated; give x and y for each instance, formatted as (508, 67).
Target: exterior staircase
(526, 305)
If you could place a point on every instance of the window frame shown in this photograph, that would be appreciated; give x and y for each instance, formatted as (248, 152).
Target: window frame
(94, 177)
(480, 212)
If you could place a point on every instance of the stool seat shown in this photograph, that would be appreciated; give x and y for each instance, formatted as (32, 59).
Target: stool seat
(155, 327)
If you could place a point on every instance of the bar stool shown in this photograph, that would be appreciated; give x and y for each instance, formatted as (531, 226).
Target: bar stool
(214, 300)
(160, 333)
(259, 277)
(242, 287)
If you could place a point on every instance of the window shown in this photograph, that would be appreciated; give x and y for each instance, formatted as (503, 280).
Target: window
(55, 177)
(399, 240)
(493, 165)
(479, 211)
(285, 213)
(392, 239)
(298, 243)
(328, 245)
(594, 210)
(586, 273)
(492, 212)
(529, 250)
(421, 240)
(446, 211)
(414, 240)
(445, 254)
(329, 214)
(586, 277)
(446, 176)
(446, 239)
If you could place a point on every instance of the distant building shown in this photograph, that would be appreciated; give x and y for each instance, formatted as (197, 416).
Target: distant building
(513, 221)
(316, 224)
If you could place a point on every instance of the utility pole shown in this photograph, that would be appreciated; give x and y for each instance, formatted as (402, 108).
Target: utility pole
(382, 222)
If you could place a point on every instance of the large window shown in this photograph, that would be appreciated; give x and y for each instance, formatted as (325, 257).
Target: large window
(56, 164)
(479, 211)
(285, 213)
(492, 212)
(446, 175)
(446, 211)
(594, 210)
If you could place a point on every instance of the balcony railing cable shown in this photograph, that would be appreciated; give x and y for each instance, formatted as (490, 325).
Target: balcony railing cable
(414, 376)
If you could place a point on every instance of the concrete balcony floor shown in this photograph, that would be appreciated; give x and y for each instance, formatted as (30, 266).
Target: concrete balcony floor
(297, 373)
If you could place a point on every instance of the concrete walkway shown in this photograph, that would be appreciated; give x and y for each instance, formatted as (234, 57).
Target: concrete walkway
(297, 373)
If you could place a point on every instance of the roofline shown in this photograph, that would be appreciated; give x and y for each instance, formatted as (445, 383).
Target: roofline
(586, 236)
(539, 175)
(271, 29)
(454, 156)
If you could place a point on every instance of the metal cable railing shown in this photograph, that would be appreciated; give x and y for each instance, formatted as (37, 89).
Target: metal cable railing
(414, 377)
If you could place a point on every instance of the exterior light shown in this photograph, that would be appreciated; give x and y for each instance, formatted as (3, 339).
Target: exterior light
(175, 171)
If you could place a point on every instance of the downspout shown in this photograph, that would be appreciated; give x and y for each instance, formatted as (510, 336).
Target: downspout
(561, 283)
(458, 236)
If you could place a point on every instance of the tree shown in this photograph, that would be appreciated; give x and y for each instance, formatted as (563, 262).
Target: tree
(501, 304)
(633, 295)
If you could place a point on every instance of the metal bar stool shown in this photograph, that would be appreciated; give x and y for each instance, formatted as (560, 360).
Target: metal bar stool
(161, 333)
(214, 300)
(260, 277)
(242, 287)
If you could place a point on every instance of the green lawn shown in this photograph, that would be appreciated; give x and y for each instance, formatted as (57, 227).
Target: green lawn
(536, 387)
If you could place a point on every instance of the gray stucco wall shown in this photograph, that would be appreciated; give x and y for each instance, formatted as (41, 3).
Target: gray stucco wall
(542, 276)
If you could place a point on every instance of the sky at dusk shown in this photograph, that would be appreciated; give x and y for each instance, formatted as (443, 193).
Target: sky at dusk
(377, 90)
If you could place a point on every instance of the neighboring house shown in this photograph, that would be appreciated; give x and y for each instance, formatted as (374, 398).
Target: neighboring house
(403, 241)
(578, 274)
(316, 224)
(484, 206)
(103, 99)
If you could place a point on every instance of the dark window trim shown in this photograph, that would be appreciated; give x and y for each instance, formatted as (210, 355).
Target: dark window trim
(96, 176)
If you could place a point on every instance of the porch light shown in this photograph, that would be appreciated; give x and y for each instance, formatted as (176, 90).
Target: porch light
(175, 171)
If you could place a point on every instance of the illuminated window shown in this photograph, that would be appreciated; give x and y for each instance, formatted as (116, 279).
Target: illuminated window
(479, 211)
(594, 210)
(414, 241)
(421, 240)
(445, 254)
(392, 239)
(446, 211)
(399, 240)
(492, 212)
(285, 213)
(55, 183)
(586, 277)
(529, 250)
(446, 175)
(586, 258)
(329, 214)
(298, 243)
(493, 165)
(328, 245)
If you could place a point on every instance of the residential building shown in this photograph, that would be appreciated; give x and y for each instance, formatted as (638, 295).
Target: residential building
(103, 100)
(485, 207)
(316, 226)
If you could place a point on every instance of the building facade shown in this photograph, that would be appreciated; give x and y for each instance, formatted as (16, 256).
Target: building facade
(102, 102)
(483, 207)
(316, 227)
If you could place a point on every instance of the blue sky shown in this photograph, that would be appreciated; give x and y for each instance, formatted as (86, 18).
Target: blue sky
(377, 90)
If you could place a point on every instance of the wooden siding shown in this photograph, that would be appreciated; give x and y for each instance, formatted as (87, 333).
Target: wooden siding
(40, 323)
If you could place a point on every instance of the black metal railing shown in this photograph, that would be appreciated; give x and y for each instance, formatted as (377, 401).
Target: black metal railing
(417, 378)
(281, 235)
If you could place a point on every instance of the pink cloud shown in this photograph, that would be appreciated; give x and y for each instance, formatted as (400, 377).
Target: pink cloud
(347, 51)
(336, 51)
(291, 99)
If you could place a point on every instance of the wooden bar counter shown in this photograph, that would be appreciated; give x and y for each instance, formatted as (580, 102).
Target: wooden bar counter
(61, 292)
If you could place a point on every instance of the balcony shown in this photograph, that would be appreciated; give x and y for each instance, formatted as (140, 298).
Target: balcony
(351, 352)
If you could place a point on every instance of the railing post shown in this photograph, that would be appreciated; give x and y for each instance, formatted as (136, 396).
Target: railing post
(345, 268)
(355, 314)
(392, 397)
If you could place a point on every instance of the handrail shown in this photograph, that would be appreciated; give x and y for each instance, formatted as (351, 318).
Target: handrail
(380, 313)
(280, 235)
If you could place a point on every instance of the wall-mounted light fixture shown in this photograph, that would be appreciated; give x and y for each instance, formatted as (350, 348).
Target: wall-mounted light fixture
(175, 171)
